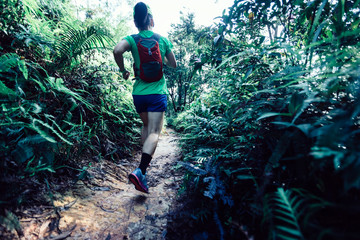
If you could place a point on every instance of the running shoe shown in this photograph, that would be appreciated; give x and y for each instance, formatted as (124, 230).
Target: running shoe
(139, 180)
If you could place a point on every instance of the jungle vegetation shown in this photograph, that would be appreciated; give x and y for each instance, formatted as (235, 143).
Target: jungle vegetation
(266, 102)
(61, 99)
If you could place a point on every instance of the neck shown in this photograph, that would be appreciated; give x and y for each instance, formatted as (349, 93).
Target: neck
(145, 29)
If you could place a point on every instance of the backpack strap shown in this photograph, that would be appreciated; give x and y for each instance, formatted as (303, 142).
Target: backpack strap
(156, 37)
(137, 37)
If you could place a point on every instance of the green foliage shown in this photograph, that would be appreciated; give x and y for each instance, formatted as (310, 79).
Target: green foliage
(11, 15)
(28, 132)
(285, 208)
(183, 82)
(279, 111)
(75, 42)
(56, 106)
(10, 221)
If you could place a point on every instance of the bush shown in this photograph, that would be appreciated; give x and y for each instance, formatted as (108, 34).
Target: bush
(272, 141)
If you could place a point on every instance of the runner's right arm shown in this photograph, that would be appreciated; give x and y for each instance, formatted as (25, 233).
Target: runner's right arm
(118, 52)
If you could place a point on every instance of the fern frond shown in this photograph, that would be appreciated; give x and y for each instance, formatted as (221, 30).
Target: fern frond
(193, 169)
(12, 60)
(4, 90)
(8, 61)
(13, 132)
(211, 189)
(42, 133)
(58, 85)
(35, 127)
(284, 207)
(29, 146)
(32, 140)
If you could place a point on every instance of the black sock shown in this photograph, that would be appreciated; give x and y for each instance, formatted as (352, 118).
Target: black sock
(145, 160)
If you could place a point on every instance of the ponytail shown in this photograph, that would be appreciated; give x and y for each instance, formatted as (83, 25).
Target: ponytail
(142, 16)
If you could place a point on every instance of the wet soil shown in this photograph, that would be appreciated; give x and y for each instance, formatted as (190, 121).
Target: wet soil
(107, 206)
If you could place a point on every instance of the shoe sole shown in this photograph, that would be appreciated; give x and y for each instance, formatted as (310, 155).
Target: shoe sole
(135, 180)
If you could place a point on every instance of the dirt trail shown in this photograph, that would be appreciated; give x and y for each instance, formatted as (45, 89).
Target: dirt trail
(109, 207)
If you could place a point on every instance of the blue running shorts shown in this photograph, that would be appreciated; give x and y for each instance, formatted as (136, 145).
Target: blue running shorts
(150, 103)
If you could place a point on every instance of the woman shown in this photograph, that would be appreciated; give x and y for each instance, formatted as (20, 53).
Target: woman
(150, 98)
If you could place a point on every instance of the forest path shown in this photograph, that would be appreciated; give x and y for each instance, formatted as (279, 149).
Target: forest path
(109, 207)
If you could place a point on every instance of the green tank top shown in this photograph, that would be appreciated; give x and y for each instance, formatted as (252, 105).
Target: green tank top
(141, 87)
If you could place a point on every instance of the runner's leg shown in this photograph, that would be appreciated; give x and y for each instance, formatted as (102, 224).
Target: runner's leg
(155, 124)
(152, 125)
(144, 130)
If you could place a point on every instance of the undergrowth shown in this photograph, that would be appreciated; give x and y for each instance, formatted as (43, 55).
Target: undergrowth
(56, 107)
(271, 142)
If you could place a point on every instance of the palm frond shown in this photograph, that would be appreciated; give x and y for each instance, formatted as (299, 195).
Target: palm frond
(75, 42)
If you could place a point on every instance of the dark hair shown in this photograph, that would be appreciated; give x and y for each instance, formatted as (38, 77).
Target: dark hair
(141, 16)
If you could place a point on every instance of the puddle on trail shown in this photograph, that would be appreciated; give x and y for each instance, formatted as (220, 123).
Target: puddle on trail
(110, 207)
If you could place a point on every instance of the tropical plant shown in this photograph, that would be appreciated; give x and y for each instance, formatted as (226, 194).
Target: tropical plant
(183, 81)
(280, 113)
(286, 210)
(53, 108)
(73, 43)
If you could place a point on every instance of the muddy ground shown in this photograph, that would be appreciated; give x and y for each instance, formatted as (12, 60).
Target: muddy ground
(107, 206)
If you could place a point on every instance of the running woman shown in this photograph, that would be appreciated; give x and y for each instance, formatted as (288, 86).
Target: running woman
(150, 99)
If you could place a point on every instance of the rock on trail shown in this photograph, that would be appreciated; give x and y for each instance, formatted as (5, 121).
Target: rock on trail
(108, 206)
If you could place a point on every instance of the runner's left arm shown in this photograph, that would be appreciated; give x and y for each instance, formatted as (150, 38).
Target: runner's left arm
(170, 59)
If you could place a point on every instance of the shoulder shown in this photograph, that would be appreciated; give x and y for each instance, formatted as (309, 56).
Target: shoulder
(130, 39)
(166, 42)
(163, 39)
